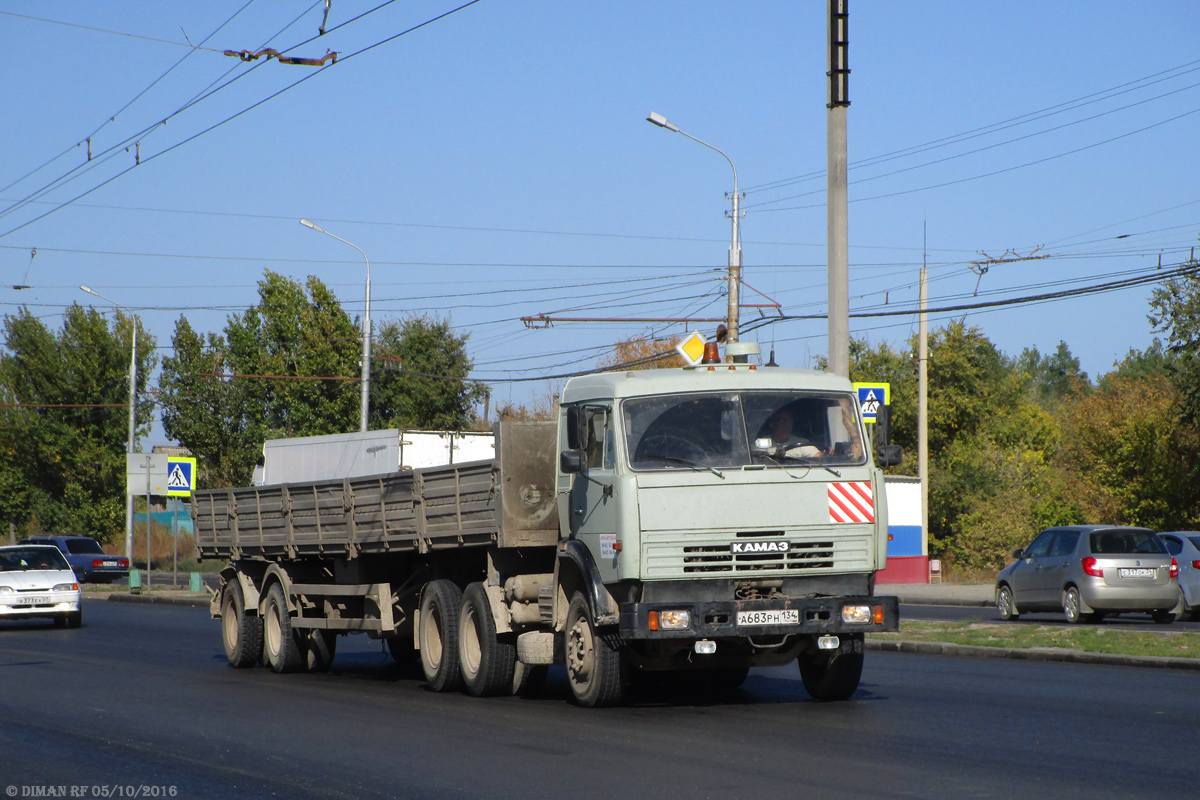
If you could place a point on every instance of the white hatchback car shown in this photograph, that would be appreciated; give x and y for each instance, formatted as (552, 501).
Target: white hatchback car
(37, 581)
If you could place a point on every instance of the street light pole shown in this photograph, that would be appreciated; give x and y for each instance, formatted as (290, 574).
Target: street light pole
(366, 352)
(735, 240)
(132, 422)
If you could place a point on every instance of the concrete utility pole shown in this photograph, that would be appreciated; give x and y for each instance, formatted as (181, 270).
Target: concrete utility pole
(838, 240)
(923, 407)
(132, 425)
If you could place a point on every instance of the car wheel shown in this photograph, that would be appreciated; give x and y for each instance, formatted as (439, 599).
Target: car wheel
(830, 676)
(440, 603)
(1004, 602)
(281, 650)
(1163, 616)
(241, 633)
(595, 663)
(486, 661)
(1183, 611)
(75, 619)
(1072, 606)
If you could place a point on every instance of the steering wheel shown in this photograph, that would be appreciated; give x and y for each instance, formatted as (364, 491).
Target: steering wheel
(671, 445)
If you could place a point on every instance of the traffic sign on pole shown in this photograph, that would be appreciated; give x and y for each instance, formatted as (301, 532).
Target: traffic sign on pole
(871, 398)
(181, 476)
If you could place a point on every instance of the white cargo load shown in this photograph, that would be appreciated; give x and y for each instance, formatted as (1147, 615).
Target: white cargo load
(353, 455)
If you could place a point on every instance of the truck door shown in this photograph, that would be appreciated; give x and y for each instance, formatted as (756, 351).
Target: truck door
(592, 511)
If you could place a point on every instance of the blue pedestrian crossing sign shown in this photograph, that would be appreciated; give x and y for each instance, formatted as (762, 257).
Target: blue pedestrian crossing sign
(872, 397)
(181, 476)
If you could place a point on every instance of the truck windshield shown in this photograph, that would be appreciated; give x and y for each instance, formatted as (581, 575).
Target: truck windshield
(780, 429)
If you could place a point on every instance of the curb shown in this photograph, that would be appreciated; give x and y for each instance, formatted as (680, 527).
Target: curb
(192, 600)
(1033, 654)
(946, 601)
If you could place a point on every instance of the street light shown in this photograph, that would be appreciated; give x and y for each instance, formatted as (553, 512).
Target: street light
(132, 421)
(735, 242)
(366, 353)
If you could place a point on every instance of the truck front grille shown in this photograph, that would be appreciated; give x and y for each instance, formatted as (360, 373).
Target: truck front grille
(678, 554)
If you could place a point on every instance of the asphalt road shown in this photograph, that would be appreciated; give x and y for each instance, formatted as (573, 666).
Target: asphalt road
(141, 696)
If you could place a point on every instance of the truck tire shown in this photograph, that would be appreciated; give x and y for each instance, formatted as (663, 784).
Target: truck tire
(320, 646)
(281, 648)
(832, 676)
(487, 663)
(241, 633)
(596, 667)
(440, 603)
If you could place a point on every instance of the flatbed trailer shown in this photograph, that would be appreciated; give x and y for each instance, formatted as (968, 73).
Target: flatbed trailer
(587, 541)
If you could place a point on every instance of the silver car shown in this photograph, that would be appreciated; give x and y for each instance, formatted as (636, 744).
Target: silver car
(1185, 547)
(1088, 571)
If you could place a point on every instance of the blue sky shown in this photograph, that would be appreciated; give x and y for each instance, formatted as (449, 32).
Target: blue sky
(496, 163)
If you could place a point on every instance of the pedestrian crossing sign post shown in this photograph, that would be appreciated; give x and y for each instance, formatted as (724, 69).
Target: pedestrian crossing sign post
(181, 476)
(872, 397)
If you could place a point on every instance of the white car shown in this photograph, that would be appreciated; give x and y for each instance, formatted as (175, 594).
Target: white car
(37, 581)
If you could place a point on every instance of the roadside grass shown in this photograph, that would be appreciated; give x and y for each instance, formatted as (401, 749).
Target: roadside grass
(1025, 636)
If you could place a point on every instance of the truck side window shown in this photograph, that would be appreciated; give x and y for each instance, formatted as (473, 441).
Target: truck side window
(598, 439)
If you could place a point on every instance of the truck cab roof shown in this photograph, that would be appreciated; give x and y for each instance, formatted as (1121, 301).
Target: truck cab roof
(720, 378)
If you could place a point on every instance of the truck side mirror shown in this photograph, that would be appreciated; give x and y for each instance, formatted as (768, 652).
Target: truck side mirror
(576, 428)
(571, 462)
(889, 455)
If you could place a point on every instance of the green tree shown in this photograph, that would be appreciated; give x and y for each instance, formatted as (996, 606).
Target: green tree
(423, 381)
(1135, 457)
(288, 366)
(1175, 310)
(65, 420)
(1052, 378)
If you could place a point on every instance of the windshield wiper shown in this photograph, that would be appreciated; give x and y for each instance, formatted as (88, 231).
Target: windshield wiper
(686, 463)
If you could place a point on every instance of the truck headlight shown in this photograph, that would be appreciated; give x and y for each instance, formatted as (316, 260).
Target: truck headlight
(856, 615)
(670, 620)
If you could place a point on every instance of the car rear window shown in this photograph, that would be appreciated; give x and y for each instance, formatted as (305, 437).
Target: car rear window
(1195, 540)
(1126, 543)
(80, 546)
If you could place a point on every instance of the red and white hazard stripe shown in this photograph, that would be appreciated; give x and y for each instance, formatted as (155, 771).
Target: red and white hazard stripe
(851, 502)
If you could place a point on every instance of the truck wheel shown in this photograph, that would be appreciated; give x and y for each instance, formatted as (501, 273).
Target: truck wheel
(595, 663)
(281, 650)
(241, 633)
(487, 662)
(440, 603)
(832, 676)
(320, 646)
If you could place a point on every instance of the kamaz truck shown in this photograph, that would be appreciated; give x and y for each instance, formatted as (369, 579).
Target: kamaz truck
(691, 522)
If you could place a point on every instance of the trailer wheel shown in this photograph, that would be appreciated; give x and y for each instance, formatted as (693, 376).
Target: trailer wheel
(241, 633)
(440, 603)
(320, 646)
(281, 650)
(595, 663)
(487, 662)
(832, 676)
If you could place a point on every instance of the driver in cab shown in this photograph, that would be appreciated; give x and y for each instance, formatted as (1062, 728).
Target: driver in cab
(781, 425)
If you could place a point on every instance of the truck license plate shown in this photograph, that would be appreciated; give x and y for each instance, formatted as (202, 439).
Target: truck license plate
(34, 600)
(780, 616)
(1136, 573)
